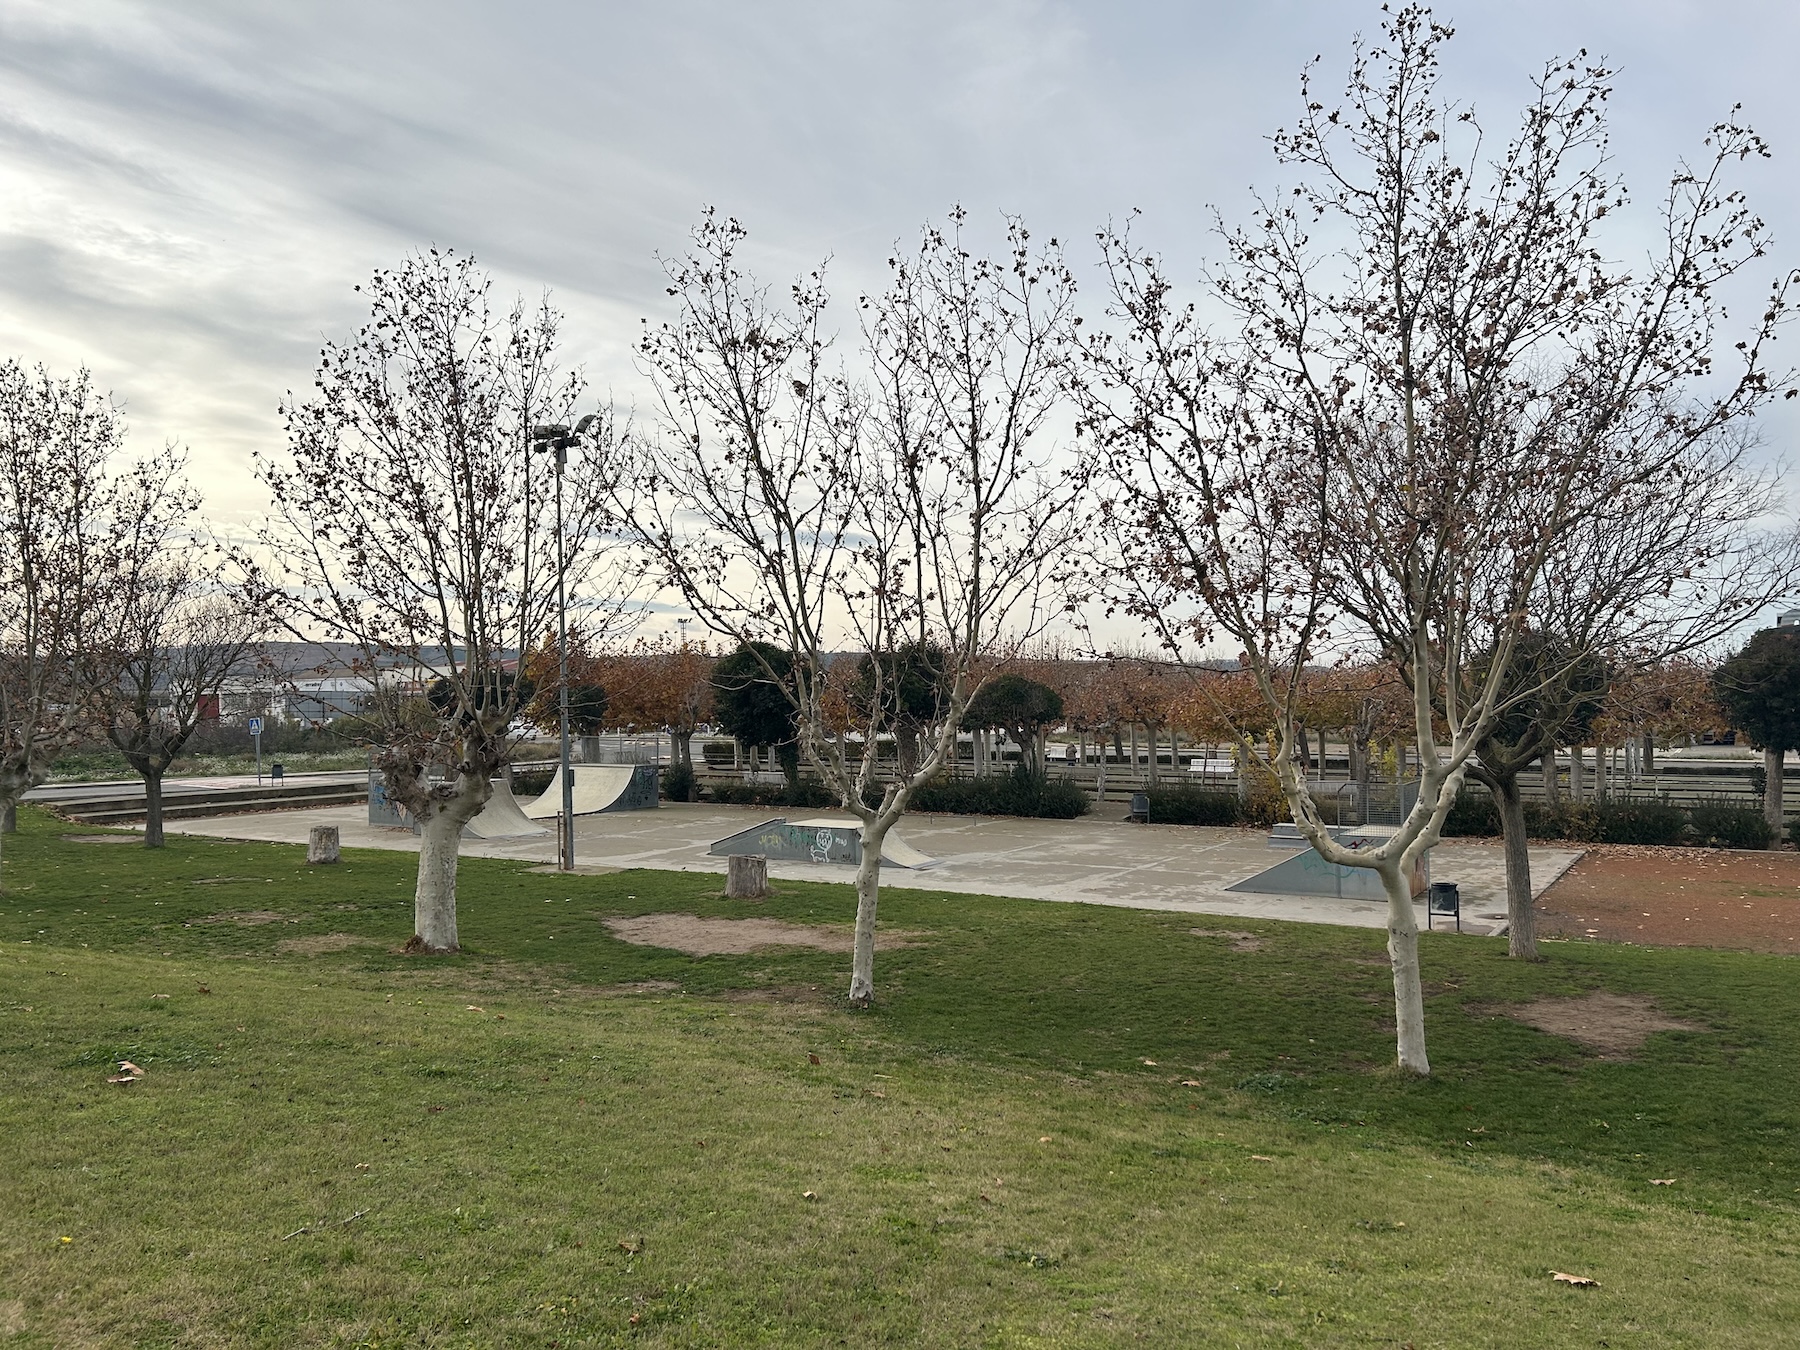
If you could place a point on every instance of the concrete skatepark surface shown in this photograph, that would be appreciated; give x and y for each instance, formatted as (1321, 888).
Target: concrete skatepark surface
(1091, 860)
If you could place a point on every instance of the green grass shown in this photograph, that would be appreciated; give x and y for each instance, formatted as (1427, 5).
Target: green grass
(605, 1097)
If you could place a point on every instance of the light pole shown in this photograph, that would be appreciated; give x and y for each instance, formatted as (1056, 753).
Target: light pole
(557, 440)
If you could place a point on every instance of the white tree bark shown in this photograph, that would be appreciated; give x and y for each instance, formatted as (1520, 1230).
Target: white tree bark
(1403, 955)
(868, 895)
(440, 844)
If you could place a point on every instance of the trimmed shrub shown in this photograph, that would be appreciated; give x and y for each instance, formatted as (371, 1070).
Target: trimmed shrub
(716, 754)
(1637, 823)
(1726, 825)
(1472, 815)
(1186, 805)
(812, 793)
(1020, 793)
(678, 783)
(532, 782)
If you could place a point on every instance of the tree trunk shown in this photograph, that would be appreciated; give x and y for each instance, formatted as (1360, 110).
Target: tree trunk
(1155, 768)
(1134, 754)
(746, 876)
(1521, 917)
(1602, 774)
(684, 747)
(1774, 808)
(1552, 785)
(1403, 956)
(1577, 775)
(434, 901)
(9, 818)
(868, 893)
(153, 808)
(1649, 759)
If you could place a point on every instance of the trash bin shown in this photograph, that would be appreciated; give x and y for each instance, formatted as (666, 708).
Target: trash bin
(1443, 898)
(274, 773)
(1140, 808)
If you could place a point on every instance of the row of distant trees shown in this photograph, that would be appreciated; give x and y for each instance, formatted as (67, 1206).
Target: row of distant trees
(1416, 421)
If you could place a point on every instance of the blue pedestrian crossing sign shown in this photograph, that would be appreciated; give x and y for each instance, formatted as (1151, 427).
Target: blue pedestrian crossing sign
(256, 726)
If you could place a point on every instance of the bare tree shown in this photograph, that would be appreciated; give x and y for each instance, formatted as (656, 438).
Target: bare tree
(67, 515)
(1660, 570)
(177, 637)
(408, 520)
(1407, 423)
(906, 511)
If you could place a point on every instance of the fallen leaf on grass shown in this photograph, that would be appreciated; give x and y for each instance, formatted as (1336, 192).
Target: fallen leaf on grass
(874, 1093)
(1260, 1157)
(473, 1008)
(1043, 1139)
(1191, 1082)
(203, 989)
(1665, 1181)
(362, 1167)
(811, 1058)
(1150, 1062)
(810, 1195)
(631, 1245)
(1579, 1281)
(635, 1318)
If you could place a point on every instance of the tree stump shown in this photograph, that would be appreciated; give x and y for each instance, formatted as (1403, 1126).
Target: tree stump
(322, 844)
(746, 877)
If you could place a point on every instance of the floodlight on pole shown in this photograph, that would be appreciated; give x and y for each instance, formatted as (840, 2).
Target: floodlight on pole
(556, 439)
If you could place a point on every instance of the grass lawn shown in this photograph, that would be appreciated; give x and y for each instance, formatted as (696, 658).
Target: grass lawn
(1064, 1125)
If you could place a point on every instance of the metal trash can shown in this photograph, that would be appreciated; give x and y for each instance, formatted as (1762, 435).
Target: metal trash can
(1140, 808)
(1443, 898)
(275, 773)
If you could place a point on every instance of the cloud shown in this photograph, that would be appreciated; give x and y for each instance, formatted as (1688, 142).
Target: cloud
(188, 193)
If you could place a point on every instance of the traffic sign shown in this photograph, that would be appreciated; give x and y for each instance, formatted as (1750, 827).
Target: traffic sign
(256, 726)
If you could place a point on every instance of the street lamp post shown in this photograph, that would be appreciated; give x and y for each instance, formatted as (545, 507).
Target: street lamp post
(557, 440)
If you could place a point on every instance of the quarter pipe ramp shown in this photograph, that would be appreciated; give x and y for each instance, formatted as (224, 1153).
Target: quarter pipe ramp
(600, 787)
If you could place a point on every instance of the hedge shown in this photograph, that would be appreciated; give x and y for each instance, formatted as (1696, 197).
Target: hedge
(1020, 793)
(1709, 825)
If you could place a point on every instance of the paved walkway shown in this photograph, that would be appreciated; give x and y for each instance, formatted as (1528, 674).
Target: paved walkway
(1091, 860)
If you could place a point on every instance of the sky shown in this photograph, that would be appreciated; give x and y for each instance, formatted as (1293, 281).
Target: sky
(189, 193)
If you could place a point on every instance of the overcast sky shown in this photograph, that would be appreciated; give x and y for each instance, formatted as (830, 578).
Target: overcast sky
(189, 191)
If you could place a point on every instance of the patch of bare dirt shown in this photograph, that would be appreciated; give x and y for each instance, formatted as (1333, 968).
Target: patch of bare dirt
(103, 838)
(737, 937)
(319, 944)
(1240, 941)
(1678, 897)
(244, 918)
(1614, 1024)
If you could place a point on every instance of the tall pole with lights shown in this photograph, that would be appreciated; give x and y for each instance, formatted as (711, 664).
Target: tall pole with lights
(557, 440)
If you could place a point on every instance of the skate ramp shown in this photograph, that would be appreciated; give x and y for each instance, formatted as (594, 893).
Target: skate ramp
(816, 841)
(600, 787)
(1306, 873)
(502, 817)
